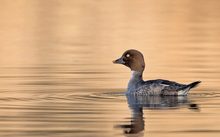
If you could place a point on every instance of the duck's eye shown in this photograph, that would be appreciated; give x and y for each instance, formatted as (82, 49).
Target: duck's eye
(128, 55)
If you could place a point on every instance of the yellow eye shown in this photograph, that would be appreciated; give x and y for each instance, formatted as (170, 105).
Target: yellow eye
(127, 55)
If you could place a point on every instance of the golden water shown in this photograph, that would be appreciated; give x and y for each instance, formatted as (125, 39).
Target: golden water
(57, 76)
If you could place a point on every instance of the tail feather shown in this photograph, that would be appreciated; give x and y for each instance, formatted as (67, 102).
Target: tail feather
(193, 84)
(185, 90)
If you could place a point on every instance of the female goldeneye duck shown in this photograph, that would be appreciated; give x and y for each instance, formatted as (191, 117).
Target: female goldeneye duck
(135, 61)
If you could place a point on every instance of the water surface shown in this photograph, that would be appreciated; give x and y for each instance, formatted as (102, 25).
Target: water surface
(57, 76)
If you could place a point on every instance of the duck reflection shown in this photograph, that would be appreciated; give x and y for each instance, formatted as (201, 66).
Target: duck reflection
(138, 103)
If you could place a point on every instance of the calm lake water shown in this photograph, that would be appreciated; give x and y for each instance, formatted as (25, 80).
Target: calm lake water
(57, 78)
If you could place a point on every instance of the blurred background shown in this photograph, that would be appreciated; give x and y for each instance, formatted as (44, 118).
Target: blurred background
(56, 64)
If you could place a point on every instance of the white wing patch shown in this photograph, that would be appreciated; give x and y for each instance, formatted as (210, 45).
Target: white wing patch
(165, 85)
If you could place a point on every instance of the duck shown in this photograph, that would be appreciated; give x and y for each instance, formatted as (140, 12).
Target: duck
(134, 60)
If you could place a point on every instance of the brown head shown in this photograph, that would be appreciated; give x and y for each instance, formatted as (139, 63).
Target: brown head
(133, 59)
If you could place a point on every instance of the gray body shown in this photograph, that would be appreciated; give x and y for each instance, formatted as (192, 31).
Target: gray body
(154, 87)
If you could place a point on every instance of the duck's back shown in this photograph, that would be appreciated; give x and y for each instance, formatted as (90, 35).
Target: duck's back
(164, 87)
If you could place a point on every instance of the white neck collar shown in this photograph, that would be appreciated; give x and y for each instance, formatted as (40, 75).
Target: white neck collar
(136, 75)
